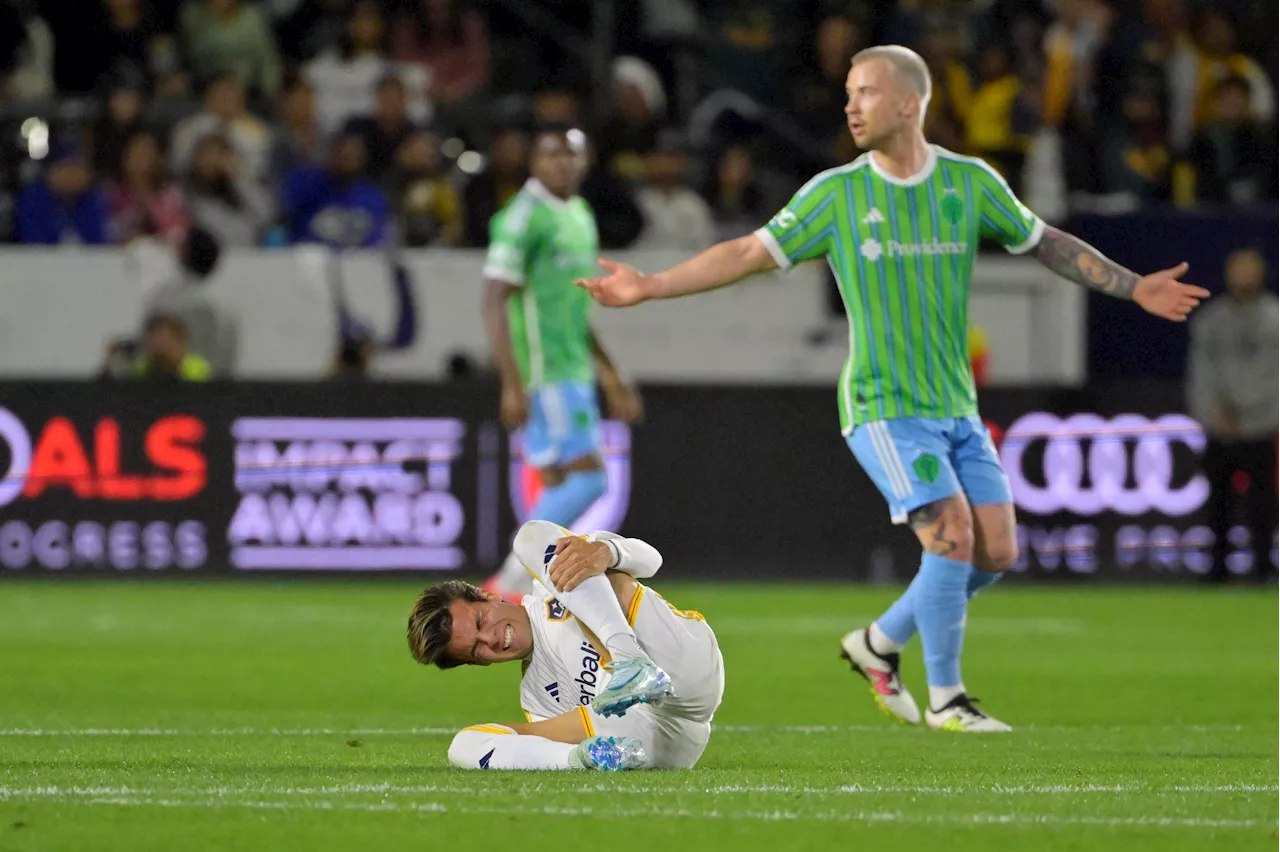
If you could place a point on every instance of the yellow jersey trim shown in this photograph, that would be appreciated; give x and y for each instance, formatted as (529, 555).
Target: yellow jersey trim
(634, 609)
(586, 721)
(490, 729)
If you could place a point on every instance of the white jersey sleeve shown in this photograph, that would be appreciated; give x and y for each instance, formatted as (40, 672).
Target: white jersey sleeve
(631, 555)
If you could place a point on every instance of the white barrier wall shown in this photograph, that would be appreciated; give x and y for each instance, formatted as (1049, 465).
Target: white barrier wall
(57, 308)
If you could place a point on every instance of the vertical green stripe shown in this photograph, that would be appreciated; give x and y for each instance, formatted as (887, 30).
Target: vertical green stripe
(869, 371)
(880, 307)
(925, 340)
(937, 302)
(911, 344)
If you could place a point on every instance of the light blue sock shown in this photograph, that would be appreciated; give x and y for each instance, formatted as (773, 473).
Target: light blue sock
(566, 502)
(899, 620)
(979, 580)
(940, 606)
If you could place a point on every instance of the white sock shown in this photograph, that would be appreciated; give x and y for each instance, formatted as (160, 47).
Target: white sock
(941, 696)
(593, 602)
(512, 576)
(499, 747)
(880, 643)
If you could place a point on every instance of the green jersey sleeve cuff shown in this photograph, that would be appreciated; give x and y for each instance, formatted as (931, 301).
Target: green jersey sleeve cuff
(497, 273)
(775, 250)
(1037, 231)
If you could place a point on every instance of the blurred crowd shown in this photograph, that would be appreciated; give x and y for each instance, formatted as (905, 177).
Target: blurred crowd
(374, 122)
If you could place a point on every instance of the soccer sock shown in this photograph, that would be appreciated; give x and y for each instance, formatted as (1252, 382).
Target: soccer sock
(565, 503)
(979, 580)
(593, 602)
(499, 747)
(941, 696)
(893, 630)
(940, 609)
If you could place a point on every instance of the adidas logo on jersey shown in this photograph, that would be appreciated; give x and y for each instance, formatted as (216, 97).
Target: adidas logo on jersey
(873, 249)
(553, 689)
(875, 217)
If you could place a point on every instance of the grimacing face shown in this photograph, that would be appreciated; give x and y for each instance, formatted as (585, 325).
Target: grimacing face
(489, 631)
(879, 104)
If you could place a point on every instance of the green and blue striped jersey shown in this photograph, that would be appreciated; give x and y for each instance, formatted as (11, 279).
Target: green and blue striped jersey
(902, 250)
(542, 244)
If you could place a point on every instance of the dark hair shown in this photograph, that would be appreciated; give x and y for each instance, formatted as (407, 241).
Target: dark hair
(346, 47)
(202, 252)
(431, 622)
(161, 173)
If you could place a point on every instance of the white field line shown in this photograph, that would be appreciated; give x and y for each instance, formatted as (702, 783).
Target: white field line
(864, 817)
(78, 792)
(446, 731)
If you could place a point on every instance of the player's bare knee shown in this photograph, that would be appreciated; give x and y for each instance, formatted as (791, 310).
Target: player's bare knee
(997, 556)
(945, 528)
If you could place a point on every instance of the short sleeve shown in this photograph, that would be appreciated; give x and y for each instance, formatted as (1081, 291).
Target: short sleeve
(1004, 218)
(805, 228)
(510, 240)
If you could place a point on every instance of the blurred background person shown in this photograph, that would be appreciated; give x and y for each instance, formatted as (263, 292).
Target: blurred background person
(65, 206)
(1233, 389)
(675, 216)
(234, 209)
(1233, 156)
(210, 330)
(336, 204)
(425, 201)
(224, 112)
(144, 201)
(231, 37)
(165, 356)
(485, 193)
(387, 129)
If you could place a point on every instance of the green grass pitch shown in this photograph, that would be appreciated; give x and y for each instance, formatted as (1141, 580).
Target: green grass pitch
(224, 715)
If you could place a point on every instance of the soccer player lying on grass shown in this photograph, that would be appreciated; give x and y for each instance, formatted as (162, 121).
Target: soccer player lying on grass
(592, 651)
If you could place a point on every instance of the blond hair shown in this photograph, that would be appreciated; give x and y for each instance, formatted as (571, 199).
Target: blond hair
(908, 66)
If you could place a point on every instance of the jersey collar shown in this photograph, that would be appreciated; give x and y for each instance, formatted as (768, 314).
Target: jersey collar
(930, 160)
(539, 190)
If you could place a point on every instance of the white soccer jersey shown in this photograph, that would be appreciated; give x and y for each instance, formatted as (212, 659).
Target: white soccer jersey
(565, 670)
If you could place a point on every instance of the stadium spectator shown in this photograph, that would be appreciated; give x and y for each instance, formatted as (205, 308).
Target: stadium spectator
(424, 200)
(387, 129)
(449, 40)
(231, 36)
(211, 333)
(137, 38)
(165, 357)
(952, 85)
(736, 197)
(337, 205)
(1220, 59)
(231, 207)
(1136, 160)
(347, 77)
(297, 141)
(224, 112)
(1167, 54)
(818, 92)
(65, 207)
(675, 216)
(27, 72)
(144, 202)
(612, 199)
(556, 106)
(305, 30)
(639, 108)
(747, 43)
(125, 96)
(1232, 383)
(997, 123)
(1233, 156)
(485, 193)
(1073, 46)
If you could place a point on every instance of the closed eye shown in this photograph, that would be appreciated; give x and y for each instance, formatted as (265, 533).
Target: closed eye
(475, 647)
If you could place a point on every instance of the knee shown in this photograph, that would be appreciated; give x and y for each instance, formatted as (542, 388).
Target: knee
(945, 528)
(997, 556)
(533, 539)
(470, 745)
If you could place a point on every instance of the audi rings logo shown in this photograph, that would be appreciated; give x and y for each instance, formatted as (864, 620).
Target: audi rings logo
(1092, 464)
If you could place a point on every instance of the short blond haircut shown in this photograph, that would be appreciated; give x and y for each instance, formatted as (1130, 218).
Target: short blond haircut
(908, 66)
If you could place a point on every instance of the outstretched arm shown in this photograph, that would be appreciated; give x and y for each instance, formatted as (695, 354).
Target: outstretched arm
(722, 264)
(1160, 293)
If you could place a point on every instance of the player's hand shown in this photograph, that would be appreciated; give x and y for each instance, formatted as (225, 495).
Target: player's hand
(1162, 294)
(514, 407)
(624, 402)
(577, 559)
(621, 288)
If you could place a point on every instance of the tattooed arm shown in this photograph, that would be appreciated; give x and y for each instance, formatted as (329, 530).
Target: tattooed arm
(1076, 260)
(1160, 293)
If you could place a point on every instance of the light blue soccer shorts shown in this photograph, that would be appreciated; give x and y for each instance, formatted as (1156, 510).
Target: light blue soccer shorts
(564, 423)
(916, 461)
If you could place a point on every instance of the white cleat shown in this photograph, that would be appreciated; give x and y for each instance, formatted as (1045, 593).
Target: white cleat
(881, 671)
(962, 717)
